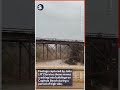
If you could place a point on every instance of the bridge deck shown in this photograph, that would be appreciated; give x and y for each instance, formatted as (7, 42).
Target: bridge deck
(57, 41)
(18, 35)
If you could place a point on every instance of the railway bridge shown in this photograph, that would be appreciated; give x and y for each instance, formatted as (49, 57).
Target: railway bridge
(18, 55)
(57, 48)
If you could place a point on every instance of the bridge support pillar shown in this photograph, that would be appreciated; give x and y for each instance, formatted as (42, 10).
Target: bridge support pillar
(29, 69)
(56, 50)
(60, 51)
(43, 51)
(20, 59)
(47, 51)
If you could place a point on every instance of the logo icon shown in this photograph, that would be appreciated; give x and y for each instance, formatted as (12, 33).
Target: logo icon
(40, 7)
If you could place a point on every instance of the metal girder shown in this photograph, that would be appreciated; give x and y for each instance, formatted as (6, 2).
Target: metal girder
(57, 41)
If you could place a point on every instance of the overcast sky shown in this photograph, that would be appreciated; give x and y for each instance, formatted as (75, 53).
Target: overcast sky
(61, 20)
(20, 14)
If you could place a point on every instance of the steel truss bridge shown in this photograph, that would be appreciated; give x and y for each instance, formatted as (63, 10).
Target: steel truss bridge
(101, 52)
(101, 60)
(18, 49)
(58, 48)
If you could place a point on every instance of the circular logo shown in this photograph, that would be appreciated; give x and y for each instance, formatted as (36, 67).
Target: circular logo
(40, 7)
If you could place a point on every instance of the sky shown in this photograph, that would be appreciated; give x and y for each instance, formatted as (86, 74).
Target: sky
(20, 14)
(60, 20)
